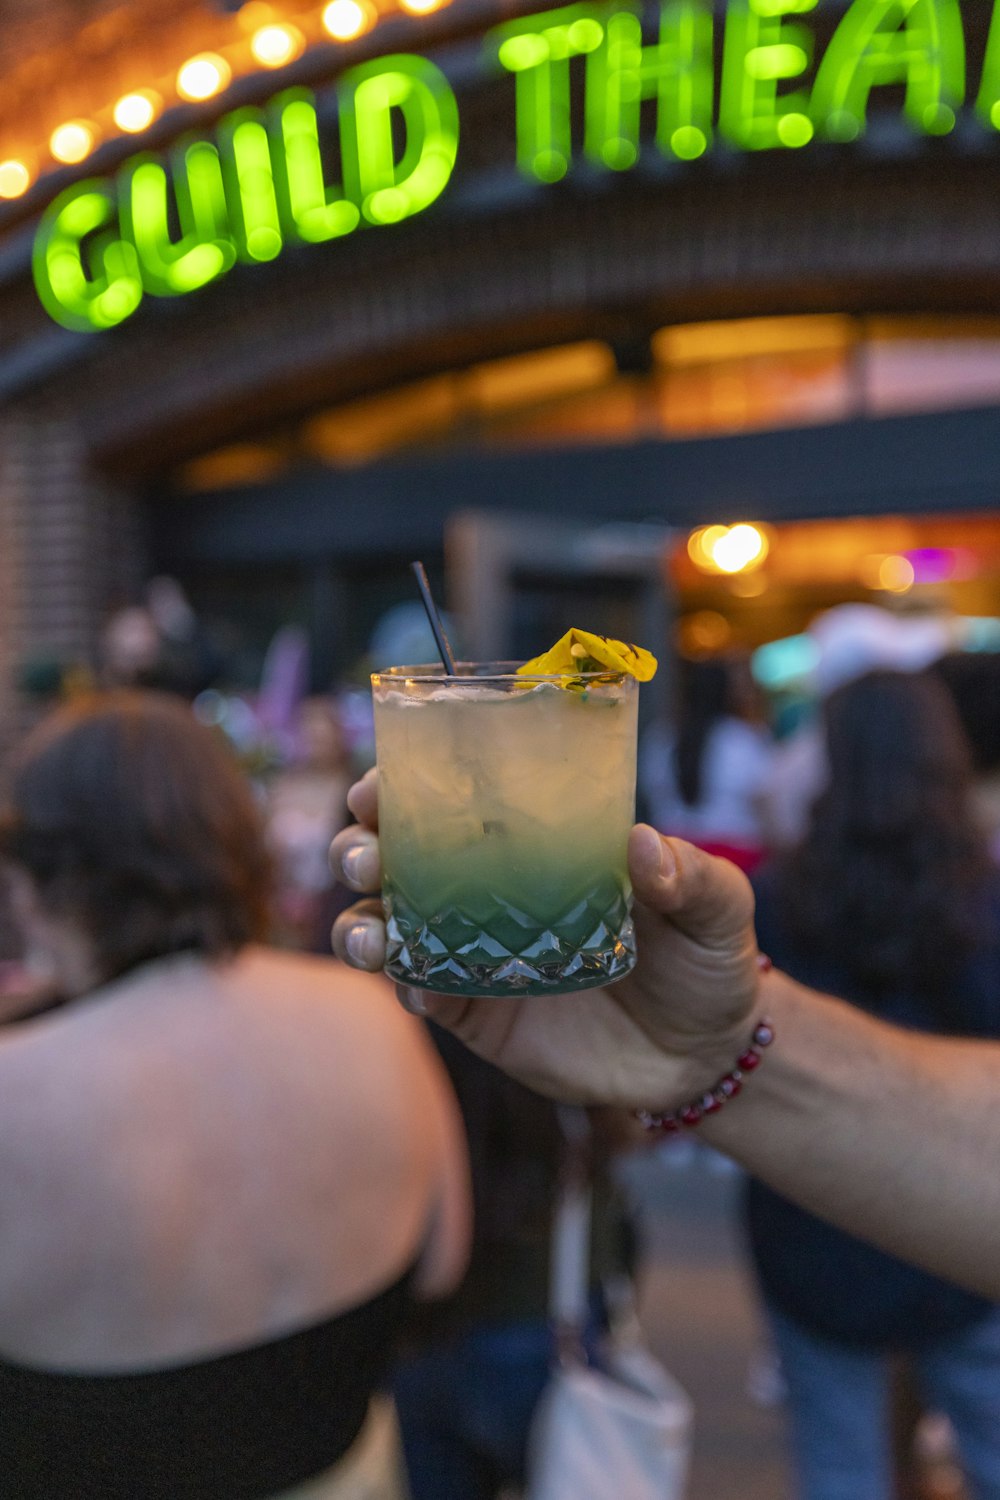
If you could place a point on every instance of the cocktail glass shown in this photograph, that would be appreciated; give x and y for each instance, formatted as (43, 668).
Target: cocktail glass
(505, 803)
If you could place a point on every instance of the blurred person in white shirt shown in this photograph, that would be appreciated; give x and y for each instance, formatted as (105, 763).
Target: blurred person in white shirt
(703, 780)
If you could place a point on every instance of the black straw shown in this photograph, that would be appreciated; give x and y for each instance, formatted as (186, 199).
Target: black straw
(420, 574)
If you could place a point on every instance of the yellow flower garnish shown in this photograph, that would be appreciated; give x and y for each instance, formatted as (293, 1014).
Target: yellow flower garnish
(581, 651)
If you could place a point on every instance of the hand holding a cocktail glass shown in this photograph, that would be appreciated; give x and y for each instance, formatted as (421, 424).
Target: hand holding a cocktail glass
(889, 1135)
(654, 1038)
(594, 961)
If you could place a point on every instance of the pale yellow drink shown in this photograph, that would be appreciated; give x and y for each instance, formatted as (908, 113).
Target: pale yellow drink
(504, 809)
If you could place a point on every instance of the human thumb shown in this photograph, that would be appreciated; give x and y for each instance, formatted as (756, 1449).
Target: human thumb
(706, 898)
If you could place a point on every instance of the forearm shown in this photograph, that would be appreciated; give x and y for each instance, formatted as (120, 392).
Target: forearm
(893, 1136)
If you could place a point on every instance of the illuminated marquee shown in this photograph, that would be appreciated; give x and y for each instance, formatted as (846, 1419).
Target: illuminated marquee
(102, 244)
(763, 100)
(165, 227)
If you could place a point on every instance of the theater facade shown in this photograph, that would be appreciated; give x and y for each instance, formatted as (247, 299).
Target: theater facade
(284, 286)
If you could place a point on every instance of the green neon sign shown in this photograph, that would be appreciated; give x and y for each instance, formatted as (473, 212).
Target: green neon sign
(916, 43)
(205, 248)
(250, 185)
(646, 77)
(168, 226)
(774, 92)
(676, 71)
(762, 50)
(317, 211)
(111, 289)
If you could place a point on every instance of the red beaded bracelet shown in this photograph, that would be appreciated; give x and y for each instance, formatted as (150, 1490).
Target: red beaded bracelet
(728, 1086)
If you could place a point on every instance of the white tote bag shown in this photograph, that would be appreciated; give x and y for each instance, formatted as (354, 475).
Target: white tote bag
(617, 1431)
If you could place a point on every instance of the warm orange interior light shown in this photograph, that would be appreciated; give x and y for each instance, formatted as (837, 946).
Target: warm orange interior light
(362, 430)
(273, 46)
(15, 179)
(742, 338)
(345, 19)
(728, 549)
(135, 111)
(703, 633)
(519, 380)
(896, 574)
(421, 7)
(72, 142)
(240, 463)
(203, 76)
(870, 569)
(700, 544)
(742, 547)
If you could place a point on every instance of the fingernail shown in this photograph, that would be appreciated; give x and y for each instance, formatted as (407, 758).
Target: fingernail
(356, 943)
(412, 1000)
(652, 854)
(648, 845)
(359, 865)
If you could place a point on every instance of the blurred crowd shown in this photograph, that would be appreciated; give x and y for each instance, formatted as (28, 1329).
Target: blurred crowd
(871, 832)
(737, 771)
(865, 806)
(301, 749)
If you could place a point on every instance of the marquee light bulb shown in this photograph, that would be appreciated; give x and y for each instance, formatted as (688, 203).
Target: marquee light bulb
(203, 76)
(135, 111)
(346, 19)
(72, 142)
(273, 46)
(15, 179)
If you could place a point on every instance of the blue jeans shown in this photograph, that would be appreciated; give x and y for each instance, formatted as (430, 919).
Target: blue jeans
(465, 1409)
(465, 1406)
(838, 1408)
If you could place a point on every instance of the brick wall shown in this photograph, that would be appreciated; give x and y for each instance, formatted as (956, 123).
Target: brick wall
(69, 547)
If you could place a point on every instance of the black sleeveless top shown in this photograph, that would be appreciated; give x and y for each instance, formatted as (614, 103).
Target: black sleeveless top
(238, 1426)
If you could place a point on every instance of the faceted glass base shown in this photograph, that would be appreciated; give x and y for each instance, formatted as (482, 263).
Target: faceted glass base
(504, 951)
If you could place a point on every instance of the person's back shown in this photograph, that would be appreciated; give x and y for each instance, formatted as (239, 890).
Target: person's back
(889, 902)
(177, 1151)
(223, 1171)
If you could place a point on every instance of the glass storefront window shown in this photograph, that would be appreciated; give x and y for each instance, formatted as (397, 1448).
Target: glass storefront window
(930, 364)
(694, 380)
(754, 373)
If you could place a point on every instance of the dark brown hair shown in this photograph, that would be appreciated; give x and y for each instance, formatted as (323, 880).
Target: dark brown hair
(973, 680)
(888, 878)
(135, 822)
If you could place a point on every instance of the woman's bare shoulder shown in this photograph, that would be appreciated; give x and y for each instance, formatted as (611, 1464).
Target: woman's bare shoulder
(310, 974)
(323, 992)
(330, 1016)
(265, 1012)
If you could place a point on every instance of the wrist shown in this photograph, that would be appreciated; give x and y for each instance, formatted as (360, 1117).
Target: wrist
(720, 1070)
